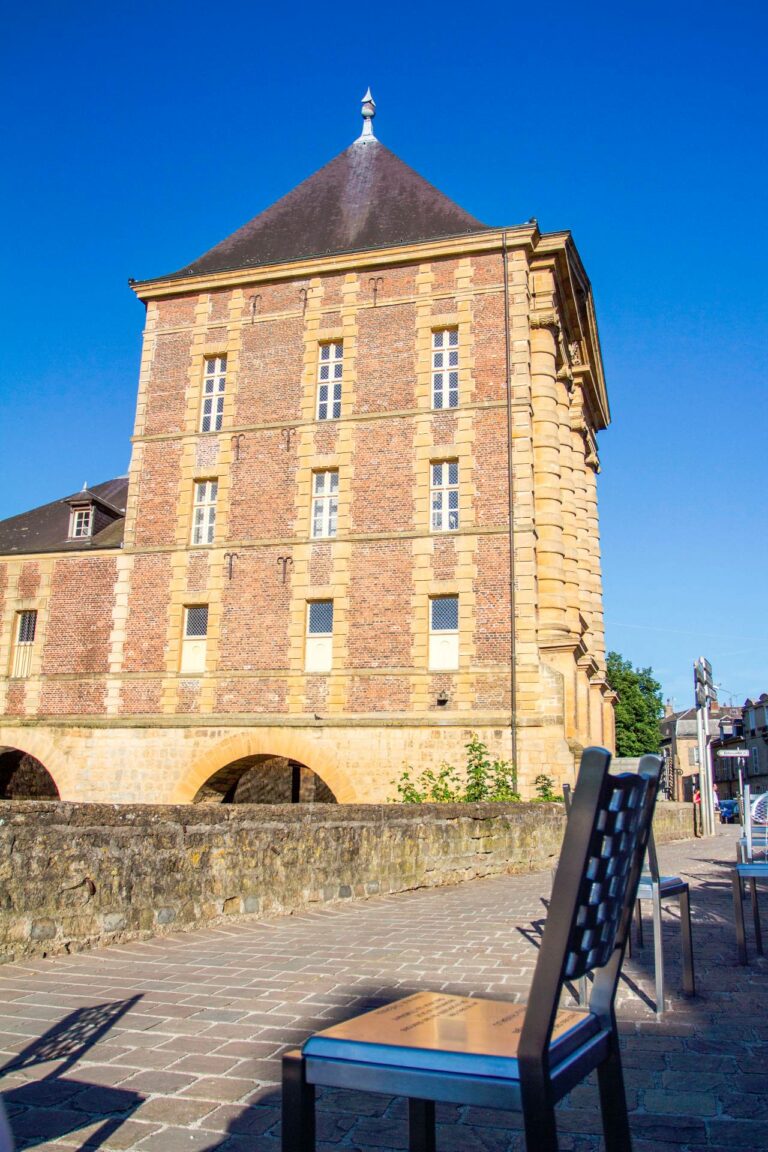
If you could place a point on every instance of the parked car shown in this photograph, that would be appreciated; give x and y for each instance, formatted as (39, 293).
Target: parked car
(729, 812)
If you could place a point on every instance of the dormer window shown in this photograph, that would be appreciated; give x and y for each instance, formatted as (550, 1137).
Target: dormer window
(80, 522)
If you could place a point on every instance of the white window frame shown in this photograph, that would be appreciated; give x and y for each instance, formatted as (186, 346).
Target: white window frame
(23, 643)
(194, 642)
(445, 369)
(443, 642)
(214, 390)
(330, 375)
(443, 493)
(81, 522)
(318, 652)
(204, 511)
(325, 503)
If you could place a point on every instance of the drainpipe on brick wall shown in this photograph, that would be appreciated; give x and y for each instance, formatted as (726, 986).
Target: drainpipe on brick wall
(511, 498)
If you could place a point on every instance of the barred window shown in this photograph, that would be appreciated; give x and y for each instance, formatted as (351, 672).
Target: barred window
(320, 618)
(444, 633)
(325, 503)
(204, 511)
(80, 523)
(214, 387)
(318, 654)
(196, 622)
(444, 494)
(330, 369)
(26, 626)
(444, 614)
(445, 368)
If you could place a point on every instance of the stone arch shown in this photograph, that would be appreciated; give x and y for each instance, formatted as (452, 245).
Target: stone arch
(24, 777)
(36, 746)
(264, 779)
(265, 743)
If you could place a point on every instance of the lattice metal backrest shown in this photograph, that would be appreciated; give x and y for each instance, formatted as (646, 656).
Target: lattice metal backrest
(603, 890)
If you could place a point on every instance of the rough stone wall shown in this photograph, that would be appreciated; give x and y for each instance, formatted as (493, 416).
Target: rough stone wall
(77, 875)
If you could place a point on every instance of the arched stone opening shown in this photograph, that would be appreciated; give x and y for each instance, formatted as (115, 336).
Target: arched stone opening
(264, 779)
(23, 777)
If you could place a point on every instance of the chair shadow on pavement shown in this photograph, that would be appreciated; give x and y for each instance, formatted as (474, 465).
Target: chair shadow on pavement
(54, 1106)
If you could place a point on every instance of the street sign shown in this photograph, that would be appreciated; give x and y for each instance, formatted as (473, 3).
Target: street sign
(742, 753)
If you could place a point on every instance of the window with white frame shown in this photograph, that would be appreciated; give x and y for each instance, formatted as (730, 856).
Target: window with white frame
(80, 522)
(319, 648)
(444, 633)
(214, 387)
(445, 368)
(325, 503)
(204, 511)
(26, 626)
(330, 369)
(194, 642)
(444, 495)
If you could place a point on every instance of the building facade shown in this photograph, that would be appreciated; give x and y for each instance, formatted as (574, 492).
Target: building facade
(360, 521)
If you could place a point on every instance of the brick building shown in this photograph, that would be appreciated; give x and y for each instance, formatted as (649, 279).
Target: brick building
(311, 570)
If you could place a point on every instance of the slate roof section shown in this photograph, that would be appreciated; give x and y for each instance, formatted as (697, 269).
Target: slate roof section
(46, 529)
(366, 197)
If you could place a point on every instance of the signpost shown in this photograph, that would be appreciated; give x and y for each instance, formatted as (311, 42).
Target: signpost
(704, 688)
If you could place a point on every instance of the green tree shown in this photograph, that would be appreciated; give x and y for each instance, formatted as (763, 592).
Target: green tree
(638, 708)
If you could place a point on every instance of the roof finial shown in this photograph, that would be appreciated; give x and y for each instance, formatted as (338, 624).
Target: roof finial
(369, 111)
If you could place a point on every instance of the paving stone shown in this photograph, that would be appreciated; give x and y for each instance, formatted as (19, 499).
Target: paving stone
(200, 1051)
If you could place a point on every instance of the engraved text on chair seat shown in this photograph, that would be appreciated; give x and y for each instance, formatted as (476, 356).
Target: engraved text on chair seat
(446, 1033)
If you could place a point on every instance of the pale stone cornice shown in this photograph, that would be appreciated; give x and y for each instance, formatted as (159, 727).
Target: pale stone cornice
(489, 240)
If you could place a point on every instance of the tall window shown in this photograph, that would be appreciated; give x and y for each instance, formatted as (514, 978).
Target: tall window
(195, 640)
(444, 633)
(80, 522)
(214, 387)
(444, 493)
(319, 650)
(330, 369)
(204, 512)
(26, 626)
(325, 503)
(445, 368)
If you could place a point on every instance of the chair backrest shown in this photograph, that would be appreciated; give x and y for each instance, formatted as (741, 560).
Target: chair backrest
(594, 891)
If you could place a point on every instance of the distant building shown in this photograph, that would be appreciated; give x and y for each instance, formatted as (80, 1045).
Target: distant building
(360, 521)
(680, 748)
(747, 729)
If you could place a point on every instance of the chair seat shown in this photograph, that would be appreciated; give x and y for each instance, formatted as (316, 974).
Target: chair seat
(447, 1034)
(668, 886)
(756, 870)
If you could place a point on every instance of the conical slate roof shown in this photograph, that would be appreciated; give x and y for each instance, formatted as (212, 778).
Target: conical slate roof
(366, 197)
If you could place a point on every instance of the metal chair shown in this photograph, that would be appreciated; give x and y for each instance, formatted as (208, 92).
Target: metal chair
(655, 887)
(434, 1047)
(752, 857)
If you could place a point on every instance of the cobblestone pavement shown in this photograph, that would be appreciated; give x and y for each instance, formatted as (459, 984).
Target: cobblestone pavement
(174, 1043)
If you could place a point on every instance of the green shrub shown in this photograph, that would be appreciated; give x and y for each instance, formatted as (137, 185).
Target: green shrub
(545, 788)
(482, 779)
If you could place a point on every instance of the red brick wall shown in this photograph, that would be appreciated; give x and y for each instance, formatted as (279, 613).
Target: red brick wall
(271, 363)
(73, 698)
(148, 614)
(29, 580)
(263, 492)
(492, 600)
(80, 618)
(380, 604)
(141, 696)
(382, 495)
(255, 614)
(386, 359)
(490, 355)
(166, 387)
(251, 694)
(490, 469)
(158, 491)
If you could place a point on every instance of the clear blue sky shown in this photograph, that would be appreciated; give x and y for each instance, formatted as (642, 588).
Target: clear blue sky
(136, 136)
